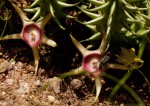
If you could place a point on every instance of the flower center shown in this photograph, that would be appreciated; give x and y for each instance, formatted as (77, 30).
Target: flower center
(32, 35)
(95, 64)
(91, 62)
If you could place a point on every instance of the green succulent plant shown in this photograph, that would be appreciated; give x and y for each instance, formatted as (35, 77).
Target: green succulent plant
(95, 62)
(108, 20)
(111, 16)
(42, 7)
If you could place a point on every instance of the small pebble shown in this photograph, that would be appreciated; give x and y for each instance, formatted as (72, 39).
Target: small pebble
(19, 65)
(3, 93)
(76, 84)
(24, 88)
(37, 83)
(9, 81)
(7, 103)
(10, 66)
(15, 68)
(4, 104)
(51, 98)
(3, 66)
(55, 84)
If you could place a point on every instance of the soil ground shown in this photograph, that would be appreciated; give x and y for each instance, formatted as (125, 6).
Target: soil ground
(19, 86)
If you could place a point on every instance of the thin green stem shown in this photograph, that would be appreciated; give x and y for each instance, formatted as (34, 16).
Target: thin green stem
(120, 82)
(124, 79)
(129, 89)
(4, 28)
(142, 47)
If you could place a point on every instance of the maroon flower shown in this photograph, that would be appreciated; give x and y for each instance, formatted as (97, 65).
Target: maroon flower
(92, 62)
(32, 33)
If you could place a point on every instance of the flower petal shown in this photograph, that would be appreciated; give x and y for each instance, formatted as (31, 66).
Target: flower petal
(24, 18)
(91, 62)
(98, 87)
(76, 71)
(36, 59)
(129, 59)
(12, 36)
(79, 46)
(48, 41)
(117, 66)
(44, 21)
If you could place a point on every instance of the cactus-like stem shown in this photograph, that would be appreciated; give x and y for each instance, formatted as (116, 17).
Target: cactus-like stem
(37, 14)
(102, 7)
(35, 3)
(97, 2)
(103, 44)
(93, 21)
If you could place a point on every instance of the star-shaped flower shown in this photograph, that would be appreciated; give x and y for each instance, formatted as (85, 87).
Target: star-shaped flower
(97, 61)
(32, 33)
